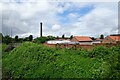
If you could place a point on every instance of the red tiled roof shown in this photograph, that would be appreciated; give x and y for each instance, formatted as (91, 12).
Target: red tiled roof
(116, 38)
(83, 38)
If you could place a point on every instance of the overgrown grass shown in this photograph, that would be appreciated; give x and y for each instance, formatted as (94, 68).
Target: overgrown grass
(32, 60)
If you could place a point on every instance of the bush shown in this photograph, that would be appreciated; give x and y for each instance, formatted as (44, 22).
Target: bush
(32, 60)
(43, 39)
(7, 39)
(113, 59)
(99, 51)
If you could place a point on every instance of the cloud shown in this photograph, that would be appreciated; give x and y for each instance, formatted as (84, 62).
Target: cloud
(56, 27)
(25, 17)
(59, 18)
(63, 6)
(26, 34)
(101, 20)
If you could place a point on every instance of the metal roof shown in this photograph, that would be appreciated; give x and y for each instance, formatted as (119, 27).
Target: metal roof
(61, 42)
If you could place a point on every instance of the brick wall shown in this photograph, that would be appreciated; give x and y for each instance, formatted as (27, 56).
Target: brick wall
(108, 40)
(69, 46)
(74, 39)
(79, 46)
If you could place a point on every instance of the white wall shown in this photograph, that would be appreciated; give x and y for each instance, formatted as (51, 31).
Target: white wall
(58, 41)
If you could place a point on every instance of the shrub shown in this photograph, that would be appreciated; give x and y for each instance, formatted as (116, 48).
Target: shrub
(32, 60)
(99, 51)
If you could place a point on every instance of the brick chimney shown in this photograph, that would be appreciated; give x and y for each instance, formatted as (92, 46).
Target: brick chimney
(41, 29)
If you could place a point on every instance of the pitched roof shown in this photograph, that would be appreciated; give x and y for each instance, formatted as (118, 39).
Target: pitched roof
(98, 39)
(82, 38)
(116, 38)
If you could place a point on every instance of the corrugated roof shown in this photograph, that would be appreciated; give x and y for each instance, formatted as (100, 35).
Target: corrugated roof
(83, 38)
(116, 38)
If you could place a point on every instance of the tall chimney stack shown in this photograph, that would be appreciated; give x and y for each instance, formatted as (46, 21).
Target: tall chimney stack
(41, 29)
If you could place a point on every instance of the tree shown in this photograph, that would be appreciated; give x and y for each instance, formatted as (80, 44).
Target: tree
(16, 38)
(101, 36)
(7, 39)
(40, 39)
(26, 39)
(71, 36)
(30, 38)
(20, 39)
(50, 38)
(1, 37)
(63, 36)
(93, 38)
(57, 37)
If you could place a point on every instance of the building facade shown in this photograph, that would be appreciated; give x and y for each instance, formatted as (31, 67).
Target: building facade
(111, 39)
(82, 40)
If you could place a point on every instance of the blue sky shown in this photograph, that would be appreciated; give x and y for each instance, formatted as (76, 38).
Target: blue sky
(69, 18)
(82, 11)
(79, 11)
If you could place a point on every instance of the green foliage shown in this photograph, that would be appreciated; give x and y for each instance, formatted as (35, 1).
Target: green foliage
(0, 49)
(63, 36)
(26, 39)
(32, 60)
(99, 51)
(7, 39)
(109, 55)
(40, 39)
(113, 59)
(71, 36)
(93, 38)
(4, 46)
(16, 38)
(50, 37)
(20, 40)
(43, 39)
(30, 38)
(1, 36)
(101, 36)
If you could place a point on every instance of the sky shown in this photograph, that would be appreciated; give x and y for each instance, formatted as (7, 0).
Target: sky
(23, 18)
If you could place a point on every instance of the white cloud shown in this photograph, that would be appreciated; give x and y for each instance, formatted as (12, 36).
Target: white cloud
(61, 0)
(25, 18)
(27, 9)
(101, 20)
(56, 27)
(63, 7)
(25, 34)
